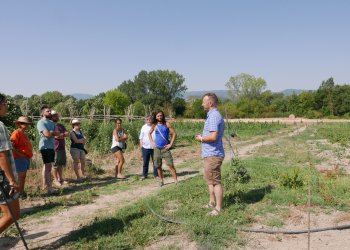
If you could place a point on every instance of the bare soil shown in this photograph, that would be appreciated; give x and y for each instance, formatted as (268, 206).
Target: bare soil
(296, 220)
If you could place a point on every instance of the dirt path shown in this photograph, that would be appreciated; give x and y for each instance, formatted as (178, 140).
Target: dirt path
(58, 225)
(45, 232)
(297, 220)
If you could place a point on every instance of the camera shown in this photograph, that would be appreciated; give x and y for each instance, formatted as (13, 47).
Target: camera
(6, 188)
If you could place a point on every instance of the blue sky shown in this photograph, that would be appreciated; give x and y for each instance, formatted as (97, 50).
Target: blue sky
(84, 46)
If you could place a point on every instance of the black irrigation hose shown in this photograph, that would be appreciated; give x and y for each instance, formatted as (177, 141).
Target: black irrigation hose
(252, 230)
(268, 231)
(164, 218)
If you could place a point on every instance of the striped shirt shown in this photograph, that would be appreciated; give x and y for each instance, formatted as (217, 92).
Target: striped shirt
(6, 146)
(213, 123)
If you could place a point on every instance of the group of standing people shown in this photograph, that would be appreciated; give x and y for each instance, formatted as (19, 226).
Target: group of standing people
(16, 152)
(52, 148)
(155, 144)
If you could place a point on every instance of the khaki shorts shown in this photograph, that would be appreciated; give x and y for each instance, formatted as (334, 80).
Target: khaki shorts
(60, 158)
(160, 154)
(212, 170)
(77, 154)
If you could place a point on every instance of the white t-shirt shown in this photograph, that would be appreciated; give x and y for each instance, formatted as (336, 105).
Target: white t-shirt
(144, 136)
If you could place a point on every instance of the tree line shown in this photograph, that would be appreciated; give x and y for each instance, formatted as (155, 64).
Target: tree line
(164, 89)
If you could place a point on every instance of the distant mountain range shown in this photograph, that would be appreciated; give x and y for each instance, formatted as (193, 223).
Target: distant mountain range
(80, 96)
(288, 92)
(222, 94)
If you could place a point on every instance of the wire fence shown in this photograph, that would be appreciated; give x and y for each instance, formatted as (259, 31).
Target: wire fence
(96, 117)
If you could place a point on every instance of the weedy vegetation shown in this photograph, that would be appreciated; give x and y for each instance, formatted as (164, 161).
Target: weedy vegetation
(261, 188)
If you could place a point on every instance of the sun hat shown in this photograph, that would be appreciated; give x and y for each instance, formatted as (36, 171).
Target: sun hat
(23, 119)
(75, 121)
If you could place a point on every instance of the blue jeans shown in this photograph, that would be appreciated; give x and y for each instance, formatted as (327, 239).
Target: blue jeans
(146, 155)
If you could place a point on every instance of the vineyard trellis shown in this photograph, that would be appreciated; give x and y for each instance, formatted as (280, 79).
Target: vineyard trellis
(105, 118)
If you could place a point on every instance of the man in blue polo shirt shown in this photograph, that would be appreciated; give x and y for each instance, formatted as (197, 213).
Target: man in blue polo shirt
(47, 132)
(213, 152)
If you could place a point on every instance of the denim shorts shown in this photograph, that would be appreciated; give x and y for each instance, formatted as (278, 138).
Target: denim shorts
(116, 149)
(22, 165)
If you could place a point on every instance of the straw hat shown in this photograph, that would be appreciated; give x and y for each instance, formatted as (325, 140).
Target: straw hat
(54, 112)
(75, 121)
(23, 119)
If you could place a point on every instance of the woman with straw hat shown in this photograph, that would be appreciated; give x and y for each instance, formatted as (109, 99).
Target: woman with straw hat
(22, 151)
(77, 149)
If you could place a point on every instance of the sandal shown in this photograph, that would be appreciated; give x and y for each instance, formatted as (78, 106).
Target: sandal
(209, 205)
(215, 212)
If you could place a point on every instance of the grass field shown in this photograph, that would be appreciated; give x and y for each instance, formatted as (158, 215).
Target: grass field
(281, 174)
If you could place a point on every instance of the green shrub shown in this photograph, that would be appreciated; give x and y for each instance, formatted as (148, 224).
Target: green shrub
(102, 140)
(292, 179)
(233, 175)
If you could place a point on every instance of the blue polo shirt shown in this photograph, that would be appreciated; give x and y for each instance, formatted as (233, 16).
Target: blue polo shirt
(214, 122)
(46, 142)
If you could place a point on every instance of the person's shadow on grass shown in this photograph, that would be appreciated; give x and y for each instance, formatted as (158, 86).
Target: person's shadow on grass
(100, 227)
(252, 196)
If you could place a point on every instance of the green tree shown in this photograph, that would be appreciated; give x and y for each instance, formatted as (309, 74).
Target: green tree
(324, 99)
(94, 105)
(198, 111)
(245, 85)
(250, 107)
(154, 88)
(292, 103)
(34, 104)
(139, 108)
(342, 99)
(67, 108)
(117, 100)
(179, 106)
(13, 113)
(231, 109)
(279, 105)
(306, 103)
(52, 98)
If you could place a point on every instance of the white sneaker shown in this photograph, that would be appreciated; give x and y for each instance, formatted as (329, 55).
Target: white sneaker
(63, 183)
(56, 183)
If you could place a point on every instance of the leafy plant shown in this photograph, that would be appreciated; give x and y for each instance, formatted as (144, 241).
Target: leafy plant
(236, 173)
(239, 172)
(94, 169)
(292, 179)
